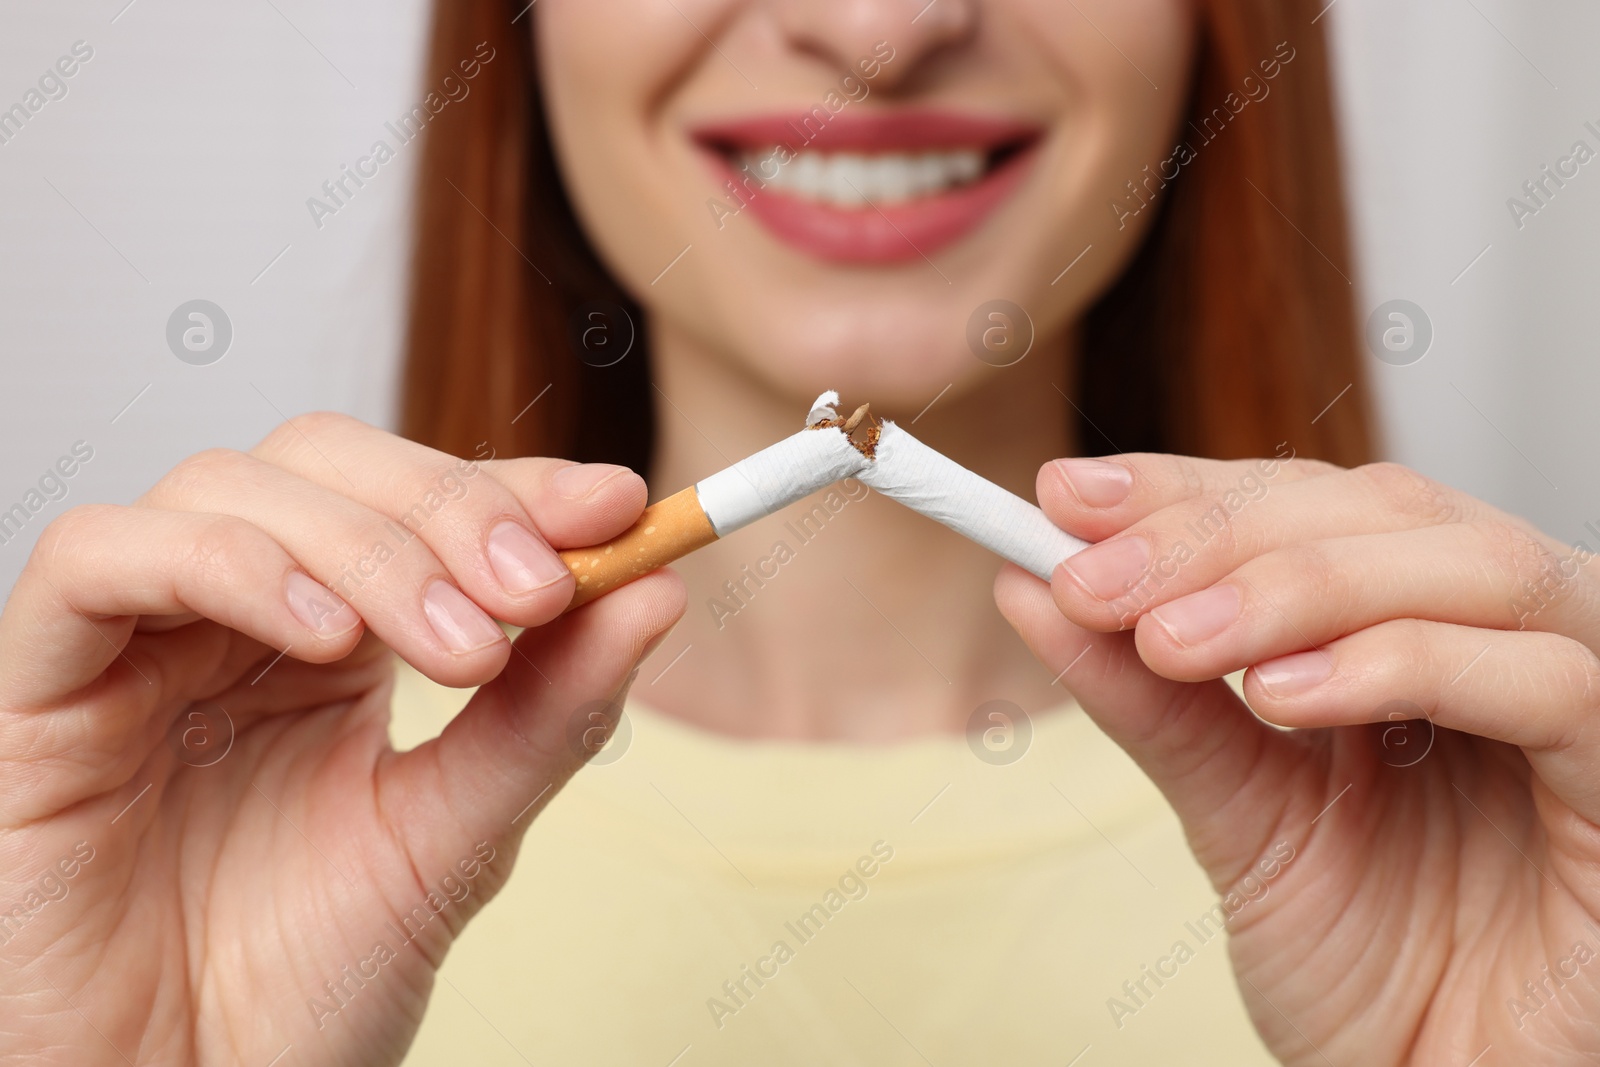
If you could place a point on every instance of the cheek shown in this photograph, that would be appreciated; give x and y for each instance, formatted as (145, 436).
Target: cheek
(603, 89)
(590, 97)
(1121, 43)
(1124, 102)
(1122, 108)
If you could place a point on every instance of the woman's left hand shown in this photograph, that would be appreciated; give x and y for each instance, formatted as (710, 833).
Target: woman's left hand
(1412, 875)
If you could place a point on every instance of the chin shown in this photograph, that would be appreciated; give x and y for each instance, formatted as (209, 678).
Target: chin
(898, 378)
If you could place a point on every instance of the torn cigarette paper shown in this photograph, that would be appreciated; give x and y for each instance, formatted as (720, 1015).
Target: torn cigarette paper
(903, 469)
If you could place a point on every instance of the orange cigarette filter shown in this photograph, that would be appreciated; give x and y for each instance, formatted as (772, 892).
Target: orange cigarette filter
(667, 530)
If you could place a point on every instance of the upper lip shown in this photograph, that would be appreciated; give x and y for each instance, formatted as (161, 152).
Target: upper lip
(865, 130)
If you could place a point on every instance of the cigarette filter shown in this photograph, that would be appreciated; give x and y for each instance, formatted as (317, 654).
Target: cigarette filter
(890, 460)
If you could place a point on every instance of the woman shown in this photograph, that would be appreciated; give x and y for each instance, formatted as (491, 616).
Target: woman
(824, 839)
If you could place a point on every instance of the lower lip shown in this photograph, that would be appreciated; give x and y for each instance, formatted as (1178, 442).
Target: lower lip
(885, 234)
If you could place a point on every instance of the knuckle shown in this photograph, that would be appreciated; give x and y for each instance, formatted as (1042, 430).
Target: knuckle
(1412, 494)
(1587, 677)
(1189, 475)
(221, 546)
(195, 474)
(385, 557)
(1524, 559)
(1210, 522)
(292, 433)
(64, 538)
(432, 483)
(1322, 579)
(1311, 468)
(1407, 651)
(520, 474)
(1575, 675)
(324, 420)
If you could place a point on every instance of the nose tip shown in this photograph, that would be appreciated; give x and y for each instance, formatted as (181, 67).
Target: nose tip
(845, 33)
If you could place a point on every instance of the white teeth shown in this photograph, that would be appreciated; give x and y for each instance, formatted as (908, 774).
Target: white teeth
(853, 180)
(803, 175)
(894, 179)
(928, 173)
(849, 181)
(966, 165)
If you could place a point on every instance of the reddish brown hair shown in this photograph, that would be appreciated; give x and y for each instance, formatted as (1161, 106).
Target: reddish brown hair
(1228, 334)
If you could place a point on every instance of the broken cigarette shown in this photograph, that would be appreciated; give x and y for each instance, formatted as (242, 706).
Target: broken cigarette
(888, 459)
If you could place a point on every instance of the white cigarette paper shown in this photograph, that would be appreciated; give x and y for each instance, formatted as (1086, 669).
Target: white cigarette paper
(904, 469)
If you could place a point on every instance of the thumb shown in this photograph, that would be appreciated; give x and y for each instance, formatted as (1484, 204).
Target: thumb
(511, 749)
(1228, 776)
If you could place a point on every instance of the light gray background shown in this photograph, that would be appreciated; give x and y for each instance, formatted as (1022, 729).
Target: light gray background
(179, 164)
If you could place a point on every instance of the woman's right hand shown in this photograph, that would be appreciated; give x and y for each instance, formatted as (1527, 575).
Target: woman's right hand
(211, 851)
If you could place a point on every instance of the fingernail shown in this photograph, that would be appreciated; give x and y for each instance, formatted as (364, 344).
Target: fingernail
(1110, 569)
(1094, 482)
(459, 623)
(521, 561)
(1199, 616)
(317, 607)
(1289, 676)
(581, 479)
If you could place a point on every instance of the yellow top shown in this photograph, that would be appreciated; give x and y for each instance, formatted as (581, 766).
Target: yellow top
(699, 900)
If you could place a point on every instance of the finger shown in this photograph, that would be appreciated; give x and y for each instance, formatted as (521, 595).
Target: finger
(1487, 574)
(574, 504)
(492, 540)
(510, 750)
(92, 746)
(1534, 690)
(1095, 498)
(1193, 543)
(1229, 778)
(406, 594)
(97, 568)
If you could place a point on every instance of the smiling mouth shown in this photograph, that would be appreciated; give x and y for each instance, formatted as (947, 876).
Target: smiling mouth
(869, 187)
(860, 180)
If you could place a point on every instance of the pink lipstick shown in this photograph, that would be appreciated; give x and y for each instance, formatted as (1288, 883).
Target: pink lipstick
(868, 187)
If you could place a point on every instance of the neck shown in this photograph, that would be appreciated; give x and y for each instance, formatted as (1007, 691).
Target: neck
(866, 621)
